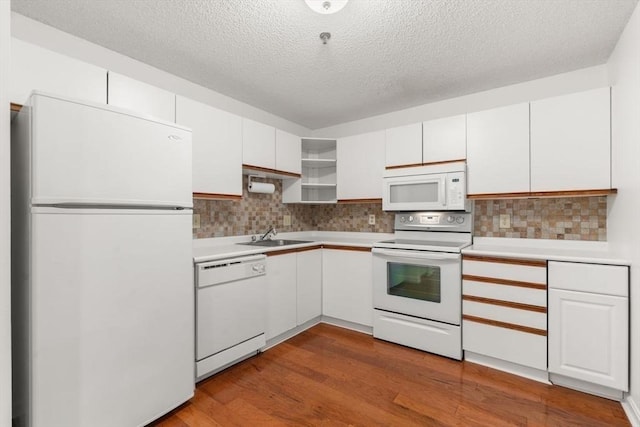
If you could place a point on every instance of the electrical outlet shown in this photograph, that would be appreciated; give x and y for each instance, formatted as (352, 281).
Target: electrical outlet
(286, 220)
(196, 221)
(505, 221)
(372, 219)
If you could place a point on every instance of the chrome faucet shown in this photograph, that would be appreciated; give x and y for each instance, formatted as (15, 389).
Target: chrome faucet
(269, 234)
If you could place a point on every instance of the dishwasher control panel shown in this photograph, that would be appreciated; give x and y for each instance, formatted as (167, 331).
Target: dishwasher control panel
(229, 270)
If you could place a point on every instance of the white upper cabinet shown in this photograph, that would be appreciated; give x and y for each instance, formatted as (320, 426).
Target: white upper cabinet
(403, 145)
(288, 152)
(498, 150)
(35, 68)
(444, 139)
(360, 166)
(570, 142)
(141, 97)
(217, 147)
(258, 144)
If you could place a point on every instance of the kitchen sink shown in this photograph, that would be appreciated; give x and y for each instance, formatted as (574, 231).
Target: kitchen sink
(275, 243)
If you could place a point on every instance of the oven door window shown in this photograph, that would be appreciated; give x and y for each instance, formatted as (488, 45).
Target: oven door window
(414, 281)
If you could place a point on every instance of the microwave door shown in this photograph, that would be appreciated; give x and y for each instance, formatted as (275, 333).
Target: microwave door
(414, 193)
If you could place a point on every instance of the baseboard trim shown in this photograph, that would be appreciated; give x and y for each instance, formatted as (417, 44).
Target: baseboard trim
(632, 410)
(509, 367)
(347, 325)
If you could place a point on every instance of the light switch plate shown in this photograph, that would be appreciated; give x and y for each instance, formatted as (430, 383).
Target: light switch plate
(286, 220)
(372, 219)
(196, 221)
(505, 221)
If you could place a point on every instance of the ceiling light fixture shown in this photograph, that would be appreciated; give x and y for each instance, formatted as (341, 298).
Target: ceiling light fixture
(326, 7)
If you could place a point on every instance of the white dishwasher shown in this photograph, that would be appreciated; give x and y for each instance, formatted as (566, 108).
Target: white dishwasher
(231, 311)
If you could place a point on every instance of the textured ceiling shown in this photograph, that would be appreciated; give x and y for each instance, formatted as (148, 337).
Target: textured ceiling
(384, 55)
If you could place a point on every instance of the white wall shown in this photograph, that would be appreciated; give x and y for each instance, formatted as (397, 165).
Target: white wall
(575, 81)
(5, 220)
(623, 228)
(34, 32)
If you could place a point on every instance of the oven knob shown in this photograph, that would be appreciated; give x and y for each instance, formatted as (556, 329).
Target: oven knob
(402, 219)
(460, 219)
(450, 219)
(410, 218)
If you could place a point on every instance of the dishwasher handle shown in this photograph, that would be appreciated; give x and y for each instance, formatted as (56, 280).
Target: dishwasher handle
(230, 270)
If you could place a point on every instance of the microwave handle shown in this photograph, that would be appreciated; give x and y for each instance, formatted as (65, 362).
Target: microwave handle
(424, 255)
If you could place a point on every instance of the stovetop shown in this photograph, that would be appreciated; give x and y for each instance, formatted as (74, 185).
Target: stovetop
(454, 246)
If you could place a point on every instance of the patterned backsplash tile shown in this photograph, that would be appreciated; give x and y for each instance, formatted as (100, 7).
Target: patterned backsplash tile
(578, 218)
(581, 218)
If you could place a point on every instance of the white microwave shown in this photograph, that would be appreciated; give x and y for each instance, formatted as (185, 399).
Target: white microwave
(436, 187)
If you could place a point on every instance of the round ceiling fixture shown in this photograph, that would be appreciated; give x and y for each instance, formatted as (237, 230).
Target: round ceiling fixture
(326, 6)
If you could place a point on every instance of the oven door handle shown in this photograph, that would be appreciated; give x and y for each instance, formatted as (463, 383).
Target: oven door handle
(423, 255)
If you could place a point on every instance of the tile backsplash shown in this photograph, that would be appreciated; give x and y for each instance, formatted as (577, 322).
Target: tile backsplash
(580, 218)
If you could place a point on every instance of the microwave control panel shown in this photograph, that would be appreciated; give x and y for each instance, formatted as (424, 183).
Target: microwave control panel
(456, 187)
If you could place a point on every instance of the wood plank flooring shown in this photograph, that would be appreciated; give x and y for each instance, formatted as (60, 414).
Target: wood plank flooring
(331, 376)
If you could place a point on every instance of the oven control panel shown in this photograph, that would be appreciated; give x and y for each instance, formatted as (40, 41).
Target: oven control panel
(445, 221)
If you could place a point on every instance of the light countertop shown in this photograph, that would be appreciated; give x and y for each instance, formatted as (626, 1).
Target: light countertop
(552, 250)
(229, 247)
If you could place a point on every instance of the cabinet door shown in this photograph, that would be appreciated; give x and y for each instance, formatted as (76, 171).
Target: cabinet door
(288, 152)
(141, 97)
(281, 287)
(217, 147)
(498, 150)
(444, 139)
(258, 144)
(570, 142)
(309, 284)
(35, 68)
(403, 145)
(588, 337)
(360, 166)
(347, 290)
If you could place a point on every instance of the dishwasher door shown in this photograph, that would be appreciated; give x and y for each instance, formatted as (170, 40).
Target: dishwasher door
(231, 303)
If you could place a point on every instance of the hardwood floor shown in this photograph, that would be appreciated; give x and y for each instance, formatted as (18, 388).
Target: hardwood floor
(336, 377)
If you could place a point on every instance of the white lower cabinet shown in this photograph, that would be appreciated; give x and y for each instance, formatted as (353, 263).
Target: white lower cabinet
(347, 290)
(309, 285)
(281, 293)
(589, 325)
(504, 311)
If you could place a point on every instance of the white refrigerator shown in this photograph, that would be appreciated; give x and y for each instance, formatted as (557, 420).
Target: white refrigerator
(103, 295)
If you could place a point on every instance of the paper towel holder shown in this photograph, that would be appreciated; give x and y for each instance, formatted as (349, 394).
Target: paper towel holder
(265, 188)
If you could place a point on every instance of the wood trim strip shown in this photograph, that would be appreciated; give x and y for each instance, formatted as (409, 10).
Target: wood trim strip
(16, 107)
(281, 252)
(542, 194)
(496, 281)
(215, 196)
(309, 248)
(513, 261)
(354, 201)
(505, 325)
(347, 248)
(509, 304)
(274, 171)
(413, 165)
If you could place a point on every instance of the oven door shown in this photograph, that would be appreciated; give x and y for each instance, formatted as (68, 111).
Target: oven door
(418, 283)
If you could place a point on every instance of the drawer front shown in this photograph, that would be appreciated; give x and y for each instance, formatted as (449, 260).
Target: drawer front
(536, 274)
(506, 344)
(592, 278)
(518, 294)
(516, 316)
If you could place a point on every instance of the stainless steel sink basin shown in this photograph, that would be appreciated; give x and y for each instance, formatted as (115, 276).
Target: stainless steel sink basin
(275, 243)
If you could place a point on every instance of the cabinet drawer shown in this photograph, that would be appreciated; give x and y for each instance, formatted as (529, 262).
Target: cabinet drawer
(593, 278)
(505, 344)
(515, 316)
(503, 292)
(534, 272)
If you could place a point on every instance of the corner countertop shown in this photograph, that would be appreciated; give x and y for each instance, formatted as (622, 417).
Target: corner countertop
(552, 250)
(228, 247)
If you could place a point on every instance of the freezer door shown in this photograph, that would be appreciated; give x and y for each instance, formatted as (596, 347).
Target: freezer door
(92, 154)
(112, 333)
